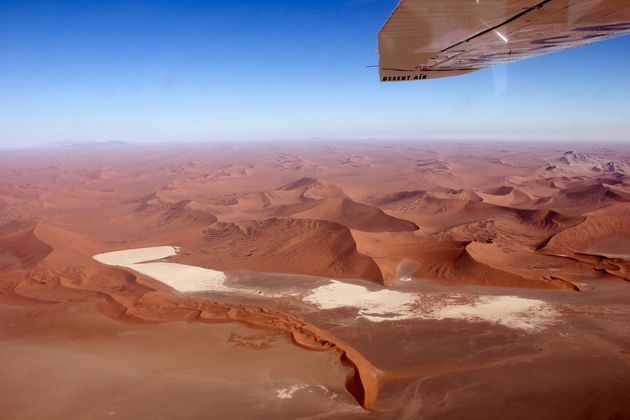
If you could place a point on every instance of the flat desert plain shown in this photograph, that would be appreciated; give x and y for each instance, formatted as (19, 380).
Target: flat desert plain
(327, 280)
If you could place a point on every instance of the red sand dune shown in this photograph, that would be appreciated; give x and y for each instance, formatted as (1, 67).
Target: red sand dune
(21, 250)
(596, 226)
(181, 214)
(301, 246)
(505, 196)
(356, 216)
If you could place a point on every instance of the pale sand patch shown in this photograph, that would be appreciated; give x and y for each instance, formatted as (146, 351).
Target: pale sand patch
(287, 393)
(510, 311)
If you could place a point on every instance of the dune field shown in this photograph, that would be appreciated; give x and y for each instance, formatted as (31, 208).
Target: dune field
(350, 280)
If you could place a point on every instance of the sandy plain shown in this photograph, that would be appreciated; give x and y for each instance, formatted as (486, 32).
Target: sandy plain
(356, 281)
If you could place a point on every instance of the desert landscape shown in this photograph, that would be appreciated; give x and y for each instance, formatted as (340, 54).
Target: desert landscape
(315, 280)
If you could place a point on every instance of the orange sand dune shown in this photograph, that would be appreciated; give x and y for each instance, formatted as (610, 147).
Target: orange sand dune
(312, 188)
(435, 213)
(356, 216)
(504, 196)
(21, 250)
(512, 227)
(597, 225)
(586, 198)
(470, 264)
(185, 213)
(67, 247)
(298, 246)
(546, 219)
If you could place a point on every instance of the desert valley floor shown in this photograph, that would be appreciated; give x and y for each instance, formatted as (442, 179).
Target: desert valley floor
(321, 281)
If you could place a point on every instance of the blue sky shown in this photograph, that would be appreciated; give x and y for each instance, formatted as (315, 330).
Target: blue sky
(188, 71)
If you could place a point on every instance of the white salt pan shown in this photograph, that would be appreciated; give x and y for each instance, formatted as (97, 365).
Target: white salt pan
(181, 277)
(387, 305)
(376, 306)
(134, 256)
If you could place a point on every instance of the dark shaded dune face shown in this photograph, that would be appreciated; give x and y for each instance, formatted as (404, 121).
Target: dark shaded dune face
(297, 246)
(468, 267)
(114, 281)
(466, 207)
(427, 204)
(150, 202)
(357, 216)
(596, 192)
(505, 196)
(290, 210)
(300, 184)
(546, 219)
(414, 201)
(312, 188)
(399, 197)
(504, 190)
(319, 201)
(424, 199)
(21, 250)
(604, 223)
(590, 197)
(485, 265)
(466, 195)
(181, 214)
(616, 179)
(510, 228)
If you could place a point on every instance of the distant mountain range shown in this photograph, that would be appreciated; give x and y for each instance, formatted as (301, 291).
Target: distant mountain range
(576, 160)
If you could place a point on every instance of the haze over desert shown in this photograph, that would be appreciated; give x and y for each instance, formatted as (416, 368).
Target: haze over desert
(325, 280)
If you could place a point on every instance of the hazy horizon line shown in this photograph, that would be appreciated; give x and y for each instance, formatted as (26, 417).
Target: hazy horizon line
(297, 141)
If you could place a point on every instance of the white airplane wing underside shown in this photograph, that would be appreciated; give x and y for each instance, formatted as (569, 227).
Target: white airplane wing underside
(425, 39)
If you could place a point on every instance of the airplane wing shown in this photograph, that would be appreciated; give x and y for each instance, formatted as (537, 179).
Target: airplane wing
(426, 39)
